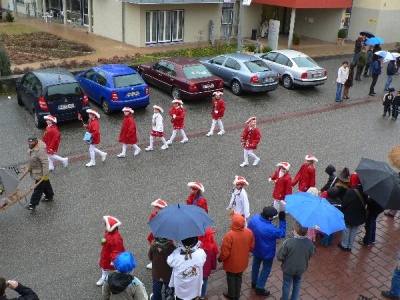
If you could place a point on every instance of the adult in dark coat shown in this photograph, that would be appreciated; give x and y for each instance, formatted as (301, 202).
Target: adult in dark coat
(376, 70)
(25, 292)
(349, 82)
(353, 208)
(330, 170)
(373, 209)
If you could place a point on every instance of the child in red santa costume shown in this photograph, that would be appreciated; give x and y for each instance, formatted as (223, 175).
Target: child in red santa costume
(251, 136)
(196, 195)
(128, 135)
(306, 174)
(157, 129)
(94, 128)
(112, 245)
(177, 113)
(217, 113)
(52, 139)
(157, 206)
(283, 185)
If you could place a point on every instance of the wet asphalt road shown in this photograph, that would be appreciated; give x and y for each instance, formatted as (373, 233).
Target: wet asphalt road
(55, 250)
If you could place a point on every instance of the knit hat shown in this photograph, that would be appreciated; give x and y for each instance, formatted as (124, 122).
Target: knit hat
(240, 180)
(269, 212)
(51, 118)
(111, 223)
(93, 112)
(158, 107)
(284, 165)
(125, 262)
(196, 185)
(128, 109)
(159, 203)
(311, 157)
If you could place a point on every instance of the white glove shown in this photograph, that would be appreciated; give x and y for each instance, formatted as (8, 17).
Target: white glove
(269, 180)
(216, 111)
(111, 263)
(174, 116)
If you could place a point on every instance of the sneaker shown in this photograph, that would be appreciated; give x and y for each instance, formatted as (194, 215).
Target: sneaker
(151, 296)
(100, 282)
(149, 148)
(137, 152)
(169, 142)
(256, 161)
(184, 141)
(121, 155)
(103, 157)
(209, 134)
(221, 132)
(30, 207)
(262, 292)
(90, 164)
(65, 162)
(244, 164)
(163, 147)
(149, 266)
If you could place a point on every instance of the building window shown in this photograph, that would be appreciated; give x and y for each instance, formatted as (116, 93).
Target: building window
(164, 26)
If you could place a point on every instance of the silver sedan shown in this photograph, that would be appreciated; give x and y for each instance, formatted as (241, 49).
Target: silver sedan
(295, 68)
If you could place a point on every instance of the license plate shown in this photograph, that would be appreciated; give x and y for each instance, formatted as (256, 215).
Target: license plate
(66, 106)
(268, 80)
(318, 75)
(132, 94)
(208, 86)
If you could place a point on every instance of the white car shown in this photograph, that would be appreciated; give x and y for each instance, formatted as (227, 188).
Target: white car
(295, 68)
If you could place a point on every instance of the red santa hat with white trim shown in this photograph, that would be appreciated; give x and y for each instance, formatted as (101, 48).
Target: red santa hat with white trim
(196, 185)
(177, 101)
(284, 165)
(51, 118)
(111, 223)
(240, 180)
(311, 157)
(93, 112)
(159, 203)
(218, 93)
(251, 119)
(128, 109)
(158, 108)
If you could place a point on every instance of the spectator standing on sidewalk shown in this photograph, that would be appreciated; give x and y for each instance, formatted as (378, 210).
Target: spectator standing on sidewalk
(343, 74)
(394, 292)
(265, 236)
(358, 44)
(376, 70)
(390, 71)
(361, 63)
(373, 211)
(370, 60)
(349, 82)
(25, 292)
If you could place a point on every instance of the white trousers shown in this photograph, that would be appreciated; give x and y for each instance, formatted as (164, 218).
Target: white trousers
(174, 132)
(93, 150)
(247, 153)
(161, 138)
(124, 146)
(55, 157)
(220, 125)
(279, 205)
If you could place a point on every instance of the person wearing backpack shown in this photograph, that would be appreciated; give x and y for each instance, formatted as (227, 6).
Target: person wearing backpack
(390, 71)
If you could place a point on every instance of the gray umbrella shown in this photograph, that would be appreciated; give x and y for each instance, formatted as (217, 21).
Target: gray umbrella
(368, 34)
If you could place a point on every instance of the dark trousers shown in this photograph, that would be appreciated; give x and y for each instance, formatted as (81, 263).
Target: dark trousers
(366, 69)
(370, 228)
(387, 109)
(374, 80)
(395, 111)
(43, 187)
(358, 73)
(234, 281)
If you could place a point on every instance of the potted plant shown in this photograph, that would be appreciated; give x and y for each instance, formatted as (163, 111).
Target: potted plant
(341, 36)
(296, 41)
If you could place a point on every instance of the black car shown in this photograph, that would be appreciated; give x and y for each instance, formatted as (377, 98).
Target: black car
(52, 91)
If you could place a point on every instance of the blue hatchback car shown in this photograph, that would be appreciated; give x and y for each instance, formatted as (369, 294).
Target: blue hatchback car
(114, 87)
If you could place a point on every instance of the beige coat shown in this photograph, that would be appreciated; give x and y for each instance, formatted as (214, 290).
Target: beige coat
(38, 161)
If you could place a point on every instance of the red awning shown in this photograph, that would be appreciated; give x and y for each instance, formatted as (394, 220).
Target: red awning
(307, 3)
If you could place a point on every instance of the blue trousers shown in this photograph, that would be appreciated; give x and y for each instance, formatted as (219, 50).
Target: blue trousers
(395, 287)
(339, 91)
(349, 236)
(388, 82)
(287, 283)
(257, 277)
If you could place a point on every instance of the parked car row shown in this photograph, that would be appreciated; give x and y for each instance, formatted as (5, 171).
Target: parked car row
(58, 92)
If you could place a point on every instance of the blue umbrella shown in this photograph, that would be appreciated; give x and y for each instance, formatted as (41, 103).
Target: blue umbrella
(374, 41)
(315, 212)
(180, 221)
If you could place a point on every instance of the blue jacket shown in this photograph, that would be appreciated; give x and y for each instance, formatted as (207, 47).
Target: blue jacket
(376, 68)
(265, 235)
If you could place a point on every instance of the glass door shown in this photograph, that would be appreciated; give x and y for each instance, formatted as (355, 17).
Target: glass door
(164, 33)
(151, 27)
(177, 26)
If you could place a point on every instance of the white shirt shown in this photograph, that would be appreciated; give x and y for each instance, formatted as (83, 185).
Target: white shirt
(343, 74)
(158, 122)
(242, 202)
(187, 275)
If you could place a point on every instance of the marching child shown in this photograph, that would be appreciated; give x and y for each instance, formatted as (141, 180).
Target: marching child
(283, 185)
(52, 139)
(239, 203)
(177, 113)
(128, 135)
(94, 129)
(196, 195)
(250, 138)
(306, 175)
(217, 113)
(157, 129)
(387, 102)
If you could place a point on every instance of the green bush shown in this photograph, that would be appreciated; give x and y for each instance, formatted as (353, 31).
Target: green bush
(9, 17)
(5, 63)
(296, 39)
(250, 48)
(342, 33)
(266, 49)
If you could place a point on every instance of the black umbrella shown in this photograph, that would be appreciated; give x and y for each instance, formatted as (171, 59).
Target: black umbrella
(380, 182)
(367, 34)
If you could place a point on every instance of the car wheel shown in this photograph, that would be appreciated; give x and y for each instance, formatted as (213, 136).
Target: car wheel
(176, 93)
(19, 100)
(105, 106)
(38, 123)
(236, 87)
(287, 82)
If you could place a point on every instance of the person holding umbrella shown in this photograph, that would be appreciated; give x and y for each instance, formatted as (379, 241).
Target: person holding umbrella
(374, 209)
(196, 195)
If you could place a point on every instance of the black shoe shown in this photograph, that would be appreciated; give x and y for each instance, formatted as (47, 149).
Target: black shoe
(388, 295)
(343, 248)
(30, 207)
(366, 75)
(227, 296)
(253, 285)
(371, 94)
(262, 292)
(46, 199)
(358, 79)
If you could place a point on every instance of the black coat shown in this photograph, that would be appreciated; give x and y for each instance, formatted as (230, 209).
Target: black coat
(25, 294)
(330, 170)
(353, 207)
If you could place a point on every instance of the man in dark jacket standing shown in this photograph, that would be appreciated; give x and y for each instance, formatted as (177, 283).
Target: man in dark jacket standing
(390, 71)
(265, 236)
(376, 70)
(25, 292)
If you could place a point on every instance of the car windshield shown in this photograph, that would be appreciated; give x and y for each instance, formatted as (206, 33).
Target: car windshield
(305, 62)
(255, 66)
(68, 90)
(127, 80)
(196, 71)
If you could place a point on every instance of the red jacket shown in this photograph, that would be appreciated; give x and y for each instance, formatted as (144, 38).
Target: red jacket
(128, 131)
(94, 128)
(251, 138)
(150, 237)
(202, 202)
(219, 106)
(283, 185)
(305, 177)
(52, 139)
(236, 246)
(179, 120)
(113, 246)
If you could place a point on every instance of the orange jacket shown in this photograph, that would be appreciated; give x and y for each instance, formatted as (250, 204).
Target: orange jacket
(236, 246)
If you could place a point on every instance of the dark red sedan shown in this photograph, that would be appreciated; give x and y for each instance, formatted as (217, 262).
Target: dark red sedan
(184, 78)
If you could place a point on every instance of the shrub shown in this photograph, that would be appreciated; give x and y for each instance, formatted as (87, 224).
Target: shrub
(9, 17)
(5, 63)
(296, 39)
(342, 33)
(266, 49)
(250, 48)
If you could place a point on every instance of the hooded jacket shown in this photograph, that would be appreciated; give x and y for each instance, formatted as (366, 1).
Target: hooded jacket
(123, 286)
(330, 170)
(236, 246)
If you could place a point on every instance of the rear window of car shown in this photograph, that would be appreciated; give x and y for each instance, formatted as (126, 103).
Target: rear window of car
(305, 62)
(72, 89)
(196, 71)
(127, 80)
(256, 66)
